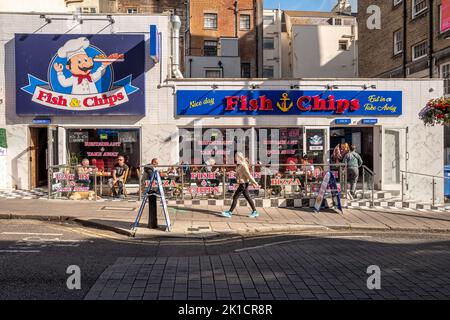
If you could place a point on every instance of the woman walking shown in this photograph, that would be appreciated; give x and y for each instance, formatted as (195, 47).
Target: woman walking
(243, 178)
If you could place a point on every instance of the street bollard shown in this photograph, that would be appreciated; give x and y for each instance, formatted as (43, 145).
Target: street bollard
(152, 211)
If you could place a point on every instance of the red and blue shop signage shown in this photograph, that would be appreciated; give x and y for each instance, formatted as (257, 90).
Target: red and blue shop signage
(80, 74)
(293, 102)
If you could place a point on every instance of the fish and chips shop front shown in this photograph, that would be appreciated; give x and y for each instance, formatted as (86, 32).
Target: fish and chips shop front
(93, 95)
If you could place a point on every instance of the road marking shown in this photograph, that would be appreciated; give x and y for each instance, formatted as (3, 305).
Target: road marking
(273, 244)
(347, 237)
(32, 234)
(298, 240)
(16, 251)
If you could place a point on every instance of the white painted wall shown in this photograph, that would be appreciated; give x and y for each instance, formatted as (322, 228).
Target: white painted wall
(17, 169)
(315, 52)
(58, 6)
(274, 57)
(53, 6)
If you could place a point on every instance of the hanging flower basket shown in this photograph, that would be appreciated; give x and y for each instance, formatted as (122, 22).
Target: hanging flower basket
(436, 112)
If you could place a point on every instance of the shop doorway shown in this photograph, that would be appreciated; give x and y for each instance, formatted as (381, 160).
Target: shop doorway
(361, 137)
(38, 157)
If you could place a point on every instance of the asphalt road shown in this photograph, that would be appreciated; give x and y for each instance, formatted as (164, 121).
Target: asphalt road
(34, 257)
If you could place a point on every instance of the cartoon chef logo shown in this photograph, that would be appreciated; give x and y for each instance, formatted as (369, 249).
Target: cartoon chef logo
(80, 77)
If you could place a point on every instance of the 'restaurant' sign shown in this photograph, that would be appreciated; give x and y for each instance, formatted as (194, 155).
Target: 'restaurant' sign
(80, 74)
(294, 102)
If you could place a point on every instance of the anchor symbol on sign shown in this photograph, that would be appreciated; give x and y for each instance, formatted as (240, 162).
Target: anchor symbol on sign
(284, 106)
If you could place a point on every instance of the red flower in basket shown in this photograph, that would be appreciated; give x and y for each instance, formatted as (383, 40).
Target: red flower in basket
(440, 116)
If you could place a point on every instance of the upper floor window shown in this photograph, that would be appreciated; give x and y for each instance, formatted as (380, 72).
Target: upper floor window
(210, 48)
(420, 50)
(418, 6)
(210, 21)
(445, 73)
(245, 22)
(269, 20)
(337, 21)
(87, 10)
(132, 10)
(398, 42)
(343, 45)
(268, 72)
(269, 43)
(213, 73)
(246, 70)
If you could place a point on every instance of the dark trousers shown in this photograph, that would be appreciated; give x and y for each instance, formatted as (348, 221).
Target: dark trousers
(242, 189)
(353, 175)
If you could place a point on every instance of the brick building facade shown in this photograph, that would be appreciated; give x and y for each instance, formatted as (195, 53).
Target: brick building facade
(401, 48)
(212, 20)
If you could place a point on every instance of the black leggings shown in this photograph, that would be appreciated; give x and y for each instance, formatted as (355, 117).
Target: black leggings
(242, 189)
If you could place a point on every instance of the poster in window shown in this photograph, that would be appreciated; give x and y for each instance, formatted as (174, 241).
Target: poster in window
(315, 141)
(128, 137)
(78, 136)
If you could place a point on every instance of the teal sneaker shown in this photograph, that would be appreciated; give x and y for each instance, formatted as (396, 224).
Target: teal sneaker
(254, 214)
(227, 214)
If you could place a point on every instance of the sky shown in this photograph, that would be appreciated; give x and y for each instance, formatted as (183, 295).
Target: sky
(308, 5)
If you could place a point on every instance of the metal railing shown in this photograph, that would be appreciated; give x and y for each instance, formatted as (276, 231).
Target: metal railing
(202, 182)
(404, 178)
(368, 176)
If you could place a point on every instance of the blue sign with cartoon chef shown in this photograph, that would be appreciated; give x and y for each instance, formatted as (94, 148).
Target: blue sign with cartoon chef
(81, 74)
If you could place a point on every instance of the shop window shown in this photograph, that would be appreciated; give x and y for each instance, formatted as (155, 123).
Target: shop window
(103, 146)
(281, 145)
(197, 146)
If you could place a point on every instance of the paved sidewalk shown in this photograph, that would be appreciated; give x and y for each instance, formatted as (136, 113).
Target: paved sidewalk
(207, 221)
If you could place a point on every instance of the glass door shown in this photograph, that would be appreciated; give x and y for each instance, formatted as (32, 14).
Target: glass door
(394, 157)
(316, 144)
(52, 146)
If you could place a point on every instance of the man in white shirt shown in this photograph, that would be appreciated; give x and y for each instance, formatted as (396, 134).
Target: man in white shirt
(80, 65)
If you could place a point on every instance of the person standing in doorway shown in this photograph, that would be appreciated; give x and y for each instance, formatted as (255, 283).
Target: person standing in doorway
(353, 161)
(243, 179)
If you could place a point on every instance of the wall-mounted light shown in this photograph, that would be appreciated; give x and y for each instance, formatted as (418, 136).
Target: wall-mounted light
(295, 86)
(255, 86)
(214, 86)
(372, 86)
(331, 87)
